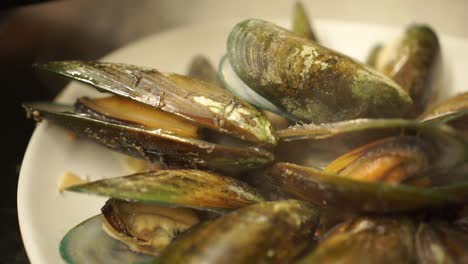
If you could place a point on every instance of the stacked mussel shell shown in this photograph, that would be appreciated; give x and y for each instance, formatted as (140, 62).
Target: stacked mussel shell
(367, 171)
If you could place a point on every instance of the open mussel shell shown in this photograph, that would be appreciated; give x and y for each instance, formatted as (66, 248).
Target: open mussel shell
(453, 111)
(269, 232)
(88, 243)
(177, 188)
(202, 103)
(308, 81)
(145, 228)
(440, 242)
(366, 240)
(156, 145)
(390, 160)
(328, 189)
(318, 145)
(410, 61)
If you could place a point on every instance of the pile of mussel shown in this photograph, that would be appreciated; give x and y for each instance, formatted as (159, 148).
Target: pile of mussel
(292, 153)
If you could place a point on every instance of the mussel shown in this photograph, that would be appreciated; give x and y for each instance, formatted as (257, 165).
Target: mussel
(366, 240)
(440, 242)
(162, 117)
(373, 165)
(148, 210)
(304, 81)
(453, 112)
(183, 188)
(410, 61)
(145, 228)
(269, 232)
(391, 240)
(88, 242)
(373, 55)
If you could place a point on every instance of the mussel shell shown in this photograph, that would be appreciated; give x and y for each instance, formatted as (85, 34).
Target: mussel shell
(201, 68)
(330, 218)
(355, 128)
(332, 190)
(261, 181)
(177, 188)
(236, 86)
(87, 242)
(391, 160)
(373, 55)
(307, 80)
(366, 240)
(301, 24)
(439, 242)
(195, 100)
(155, 145)
(317, 145)
(270, 232)
(410, 62)
(453, 111)
(145, 228)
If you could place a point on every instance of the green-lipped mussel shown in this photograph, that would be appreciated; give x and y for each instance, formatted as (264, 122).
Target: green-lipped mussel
(301, 24)
(410, 61)
(453, 112)
(163, 117)
(270, 232)
(89, 242)
(373, 165)
(302, 80)
(148, 210)
(366, 240)
(145, 228)
(391, 240)
(184, 188)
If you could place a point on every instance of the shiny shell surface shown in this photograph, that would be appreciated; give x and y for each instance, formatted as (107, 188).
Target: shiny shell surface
(309, 81)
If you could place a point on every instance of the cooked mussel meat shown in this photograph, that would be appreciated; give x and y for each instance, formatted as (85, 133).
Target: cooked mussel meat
(146, 228)
(163, 117)
(405, 165)
(390, 160)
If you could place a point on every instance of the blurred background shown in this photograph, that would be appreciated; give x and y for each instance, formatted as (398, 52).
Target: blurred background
(32, 31)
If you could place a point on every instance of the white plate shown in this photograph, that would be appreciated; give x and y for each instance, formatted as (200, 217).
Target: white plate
(45, 215)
